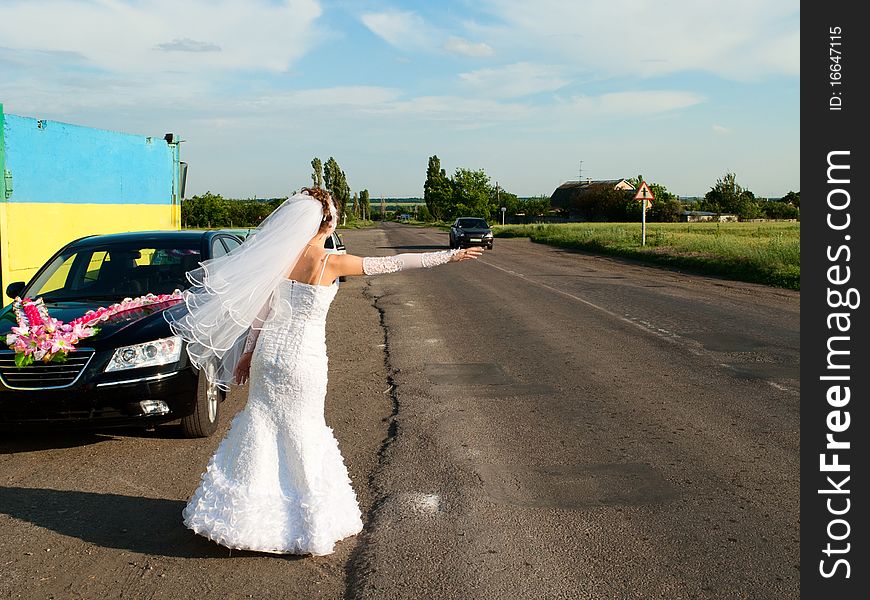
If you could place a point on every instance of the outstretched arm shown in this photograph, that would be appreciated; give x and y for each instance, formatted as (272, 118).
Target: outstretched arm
(348, 264)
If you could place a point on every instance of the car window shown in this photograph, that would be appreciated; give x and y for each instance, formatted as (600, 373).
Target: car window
(231, 243)
(217, 248)
(60, 275)
(116, 271)
(472, 223)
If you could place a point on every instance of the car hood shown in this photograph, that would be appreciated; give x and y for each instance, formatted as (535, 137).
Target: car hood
(127, 327)
(474, 230)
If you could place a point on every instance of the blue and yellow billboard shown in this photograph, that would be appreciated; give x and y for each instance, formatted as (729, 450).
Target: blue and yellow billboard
(61, 182)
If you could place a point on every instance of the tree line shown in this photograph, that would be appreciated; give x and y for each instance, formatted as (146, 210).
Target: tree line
(471, 193)
(210, 211)
(214, 211)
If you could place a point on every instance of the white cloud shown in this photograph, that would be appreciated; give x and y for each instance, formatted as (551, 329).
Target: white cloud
(629, 104)
(188, 45)
(740, 39)
(155, 36)
(397, 28)
(464, 113)
(519, 79)
(721, 130)
(458, 45)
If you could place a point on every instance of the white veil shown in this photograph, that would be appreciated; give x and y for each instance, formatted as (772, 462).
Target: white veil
(229, 291)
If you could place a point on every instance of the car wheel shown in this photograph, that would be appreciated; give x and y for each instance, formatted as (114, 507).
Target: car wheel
(204, 420)
(489, 246)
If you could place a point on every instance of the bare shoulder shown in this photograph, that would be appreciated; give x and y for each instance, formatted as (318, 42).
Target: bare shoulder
(346, 264)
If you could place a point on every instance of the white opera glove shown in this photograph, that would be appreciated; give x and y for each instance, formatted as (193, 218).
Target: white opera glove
(379, 265)
(254, 331)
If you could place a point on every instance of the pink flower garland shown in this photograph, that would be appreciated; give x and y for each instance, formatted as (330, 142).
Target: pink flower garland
(39, 336)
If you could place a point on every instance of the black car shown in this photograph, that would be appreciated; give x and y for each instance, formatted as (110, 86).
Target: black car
(470, 231)
(133, 371)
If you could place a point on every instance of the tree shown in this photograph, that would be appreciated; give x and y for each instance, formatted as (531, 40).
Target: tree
(773, 209)
(727, 196)
(501, 197)
(317, 176)
(335, 182)
(423, 214)
(355, 209)
(364, 204)
(533, 207)
(437, 190)
(208, 210)
(793, 198)
(472, 194)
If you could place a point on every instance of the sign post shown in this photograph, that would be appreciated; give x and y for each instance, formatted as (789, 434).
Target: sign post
(645, 195)
(503, 210)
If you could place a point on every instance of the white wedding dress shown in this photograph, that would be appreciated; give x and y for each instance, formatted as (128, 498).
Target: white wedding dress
(277, 482)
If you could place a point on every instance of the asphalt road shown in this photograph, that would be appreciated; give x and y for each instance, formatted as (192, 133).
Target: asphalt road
(536, 424)
(570, 426)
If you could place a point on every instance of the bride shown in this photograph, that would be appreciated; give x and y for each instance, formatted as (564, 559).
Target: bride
(277, 482)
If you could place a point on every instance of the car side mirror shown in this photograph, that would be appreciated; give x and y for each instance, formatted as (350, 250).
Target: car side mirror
(14, 288)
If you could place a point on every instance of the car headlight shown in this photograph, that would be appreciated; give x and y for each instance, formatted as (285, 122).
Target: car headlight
(148, 354)
(487, 234)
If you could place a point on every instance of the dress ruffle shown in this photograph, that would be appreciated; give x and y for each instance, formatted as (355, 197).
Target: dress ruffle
(308, 520)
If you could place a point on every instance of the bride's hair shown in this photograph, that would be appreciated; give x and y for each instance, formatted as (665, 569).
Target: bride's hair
(327, 202)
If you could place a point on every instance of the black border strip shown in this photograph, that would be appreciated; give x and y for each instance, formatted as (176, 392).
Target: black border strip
(835, 562)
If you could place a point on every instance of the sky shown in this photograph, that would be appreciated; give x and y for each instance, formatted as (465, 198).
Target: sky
(679, 91)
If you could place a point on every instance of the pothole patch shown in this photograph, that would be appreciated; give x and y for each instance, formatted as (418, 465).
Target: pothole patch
(576, 487)
(420, 502)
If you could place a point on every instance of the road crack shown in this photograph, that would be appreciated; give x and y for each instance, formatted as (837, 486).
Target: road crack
(358, 565)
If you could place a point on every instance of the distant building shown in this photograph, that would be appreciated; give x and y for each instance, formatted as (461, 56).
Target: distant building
(566, 195)
(701, 216)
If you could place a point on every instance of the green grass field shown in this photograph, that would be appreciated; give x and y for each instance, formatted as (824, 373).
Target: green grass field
(766, 253)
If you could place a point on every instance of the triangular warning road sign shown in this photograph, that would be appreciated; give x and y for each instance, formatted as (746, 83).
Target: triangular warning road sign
(643, 192)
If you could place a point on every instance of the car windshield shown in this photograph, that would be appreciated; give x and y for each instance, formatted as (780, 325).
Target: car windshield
(472, 224)
(117, 271)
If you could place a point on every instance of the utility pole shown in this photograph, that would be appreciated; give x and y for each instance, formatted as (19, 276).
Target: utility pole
(580, 175)
(498, 202)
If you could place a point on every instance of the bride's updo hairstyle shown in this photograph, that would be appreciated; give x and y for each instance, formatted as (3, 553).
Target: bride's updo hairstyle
(328, 205)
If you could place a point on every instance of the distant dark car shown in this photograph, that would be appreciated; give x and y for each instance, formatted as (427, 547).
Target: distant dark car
(470, 231)
(133, 371)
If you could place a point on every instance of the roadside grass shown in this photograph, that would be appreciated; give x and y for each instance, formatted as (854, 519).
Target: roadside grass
(766, 253)
(357, 224)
